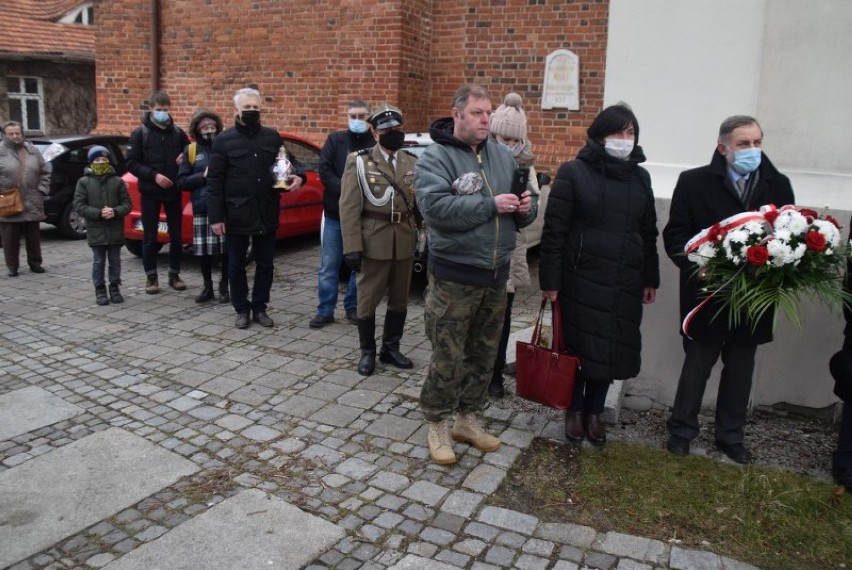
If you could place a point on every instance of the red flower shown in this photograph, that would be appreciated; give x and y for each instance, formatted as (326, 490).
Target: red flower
(757, 254)
(815, 241)
(770, 216)
(833, 221)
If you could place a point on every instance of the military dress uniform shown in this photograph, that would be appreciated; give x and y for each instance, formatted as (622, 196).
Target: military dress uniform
(378, 221)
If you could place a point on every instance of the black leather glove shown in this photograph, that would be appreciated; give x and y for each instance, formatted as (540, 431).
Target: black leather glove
(353, 261)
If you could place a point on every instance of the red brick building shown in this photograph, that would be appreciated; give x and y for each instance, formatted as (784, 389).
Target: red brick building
(308, 58)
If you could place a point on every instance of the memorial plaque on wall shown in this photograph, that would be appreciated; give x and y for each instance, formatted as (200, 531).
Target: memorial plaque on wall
(561, 81)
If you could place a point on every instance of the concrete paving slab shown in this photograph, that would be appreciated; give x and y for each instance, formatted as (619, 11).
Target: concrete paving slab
(62, 492)
(30, 408)
(251, 530)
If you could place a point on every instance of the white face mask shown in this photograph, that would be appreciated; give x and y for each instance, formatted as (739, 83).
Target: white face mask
(618, 148)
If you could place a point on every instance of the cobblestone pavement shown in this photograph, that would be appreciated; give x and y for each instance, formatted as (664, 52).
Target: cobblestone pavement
(281, 410)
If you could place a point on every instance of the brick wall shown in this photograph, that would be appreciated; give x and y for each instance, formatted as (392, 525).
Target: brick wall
(310, 58)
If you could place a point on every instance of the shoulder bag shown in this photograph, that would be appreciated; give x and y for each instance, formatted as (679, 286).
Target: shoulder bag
(11, 203)
(546, 375)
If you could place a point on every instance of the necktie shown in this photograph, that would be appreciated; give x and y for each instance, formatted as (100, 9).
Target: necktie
(741, 186)
(390, 162)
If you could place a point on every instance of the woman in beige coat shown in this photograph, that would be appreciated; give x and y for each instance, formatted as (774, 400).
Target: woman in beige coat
(15, 154)
(509, 128)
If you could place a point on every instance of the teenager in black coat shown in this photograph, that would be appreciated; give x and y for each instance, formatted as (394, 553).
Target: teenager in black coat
(599, 261)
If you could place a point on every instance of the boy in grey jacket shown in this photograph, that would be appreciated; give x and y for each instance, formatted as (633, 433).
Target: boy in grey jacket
(101, 198)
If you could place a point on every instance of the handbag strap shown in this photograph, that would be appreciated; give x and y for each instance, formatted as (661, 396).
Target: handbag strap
(556, 319)
(536, 337)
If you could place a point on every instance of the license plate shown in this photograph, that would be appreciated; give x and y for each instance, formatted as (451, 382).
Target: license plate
(162, 227)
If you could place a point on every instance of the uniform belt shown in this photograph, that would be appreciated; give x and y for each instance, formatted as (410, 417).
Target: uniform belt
(392, 217)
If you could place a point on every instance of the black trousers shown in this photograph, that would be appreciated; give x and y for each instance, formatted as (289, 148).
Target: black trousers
(734, 389)
(11, 233)
(841, 464)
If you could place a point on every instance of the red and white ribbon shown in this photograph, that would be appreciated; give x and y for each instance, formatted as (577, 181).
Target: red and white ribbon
(726, 225)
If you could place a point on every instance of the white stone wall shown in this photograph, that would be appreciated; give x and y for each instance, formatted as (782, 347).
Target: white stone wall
(684, 67)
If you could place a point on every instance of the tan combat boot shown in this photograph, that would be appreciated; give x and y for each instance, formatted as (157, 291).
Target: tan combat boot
(440, 444)
(467, 429)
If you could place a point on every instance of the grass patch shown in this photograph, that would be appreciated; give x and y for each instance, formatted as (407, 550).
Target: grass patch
(766, 517)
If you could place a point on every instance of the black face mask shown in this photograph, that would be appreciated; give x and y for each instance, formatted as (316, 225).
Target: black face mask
(209, 137)
(250, 117)
(392, 140)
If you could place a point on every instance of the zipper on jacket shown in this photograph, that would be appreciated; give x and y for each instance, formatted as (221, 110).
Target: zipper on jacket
(496, 218)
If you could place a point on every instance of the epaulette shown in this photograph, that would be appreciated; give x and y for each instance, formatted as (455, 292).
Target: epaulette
(409, 153)
(363, 151)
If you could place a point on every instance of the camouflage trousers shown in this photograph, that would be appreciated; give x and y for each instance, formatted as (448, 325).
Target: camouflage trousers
(463, 323)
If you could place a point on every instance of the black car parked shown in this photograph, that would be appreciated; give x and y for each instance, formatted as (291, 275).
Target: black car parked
(66, 157)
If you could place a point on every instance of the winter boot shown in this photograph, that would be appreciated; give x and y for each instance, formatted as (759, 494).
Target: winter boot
(152, 285)
(440, 443)
(206, 293)
(467, 429)
(115, 294)
(176, 283)
(495, 387)
(224, 296)
(101, 295)
(390, 354)
(367, 337)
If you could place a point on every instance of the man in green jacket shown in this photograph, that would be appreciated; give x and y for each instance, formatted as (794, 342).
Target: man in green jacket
(463, 184)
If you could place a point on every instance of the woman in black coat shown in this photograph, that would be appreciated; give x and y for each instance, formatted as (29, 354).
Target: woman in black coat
(599, 261)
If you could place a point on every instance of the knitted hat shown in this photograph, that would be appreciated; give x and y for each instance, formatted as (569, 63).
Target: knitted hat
(509, 120)
(97, 151)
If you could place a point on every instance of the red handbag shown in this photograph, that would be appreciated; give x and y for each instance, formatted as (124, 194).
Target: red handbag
(546, 375)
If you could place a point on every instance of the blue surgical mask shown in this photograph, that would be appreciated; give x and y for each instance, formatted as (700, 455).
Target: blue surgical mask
(357, 126)
(160, 116)
(514, 149)
(746, 160)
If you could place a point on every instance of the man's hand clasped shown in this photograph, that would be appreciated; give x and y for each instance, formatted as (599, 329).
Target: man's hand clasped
(510, 204)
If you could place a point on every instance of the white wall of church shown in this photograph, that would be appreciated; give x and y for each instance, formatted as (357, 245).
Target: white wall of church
(684, 67)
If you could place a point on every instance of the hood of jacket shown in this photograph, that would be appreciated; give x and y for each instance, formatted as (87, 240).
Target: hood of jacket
(441, 132)
(201, 114)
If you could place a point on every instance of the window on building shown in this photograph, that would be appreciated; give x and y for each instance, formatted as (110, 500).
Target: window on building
(26, 103)
(83, 14)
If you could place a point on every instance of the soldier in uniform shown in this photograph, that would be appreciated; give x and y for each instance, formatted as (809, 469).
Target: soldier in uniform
(379, 227)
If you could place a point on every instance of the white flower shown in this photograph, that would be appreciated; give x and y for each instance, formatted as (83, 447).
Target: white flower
(781, 253)
(755, 228)
(791, 220)
(704, 254)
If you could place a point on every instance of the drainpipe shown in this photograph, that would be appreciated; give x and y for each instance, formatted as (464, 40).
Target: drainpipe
(155, 46)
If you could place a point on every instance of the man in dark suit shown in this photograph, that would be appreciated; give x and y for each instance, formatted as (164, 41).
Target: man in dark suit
(739, 178)
(841, 369)
(379, 230)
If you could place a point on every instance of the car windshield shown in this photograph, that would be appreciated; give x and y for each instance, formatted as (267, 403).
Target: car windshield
(50, 150)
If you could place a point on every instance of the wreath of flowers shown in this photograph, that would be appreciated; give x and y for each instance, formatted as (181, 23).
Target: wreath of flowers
(757, 261)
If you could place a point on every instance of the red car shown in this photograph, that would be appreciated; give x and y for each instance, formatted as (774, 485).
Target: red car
(301, 211)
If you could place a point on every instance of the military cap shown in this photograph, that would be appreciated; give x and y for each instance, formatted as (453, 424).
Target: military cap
(386, 118)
